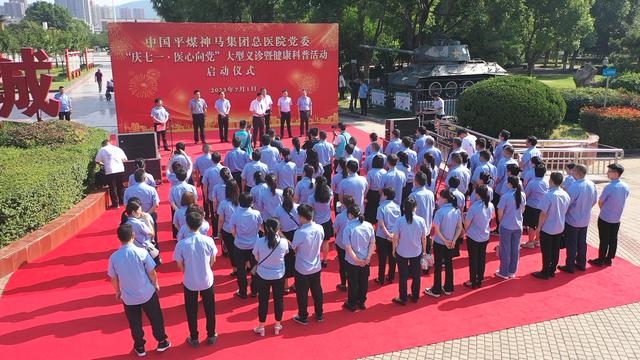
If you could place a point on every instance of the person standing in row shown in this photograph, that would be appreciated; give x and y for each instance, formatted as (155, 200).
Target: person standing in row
(447, 228)
(148, 196)
(64, 113)
(477, 222)
(551, 223)
(387, 216)
(353, 99)
(98, 77)
(269, 252)
(510, 209)
(113, 158)
(160, 117)
(284, 106)
(305, 107)
(339, 225)
(612, 201)
(341, 140)
(326, 152)
(342, 84)
(195, 256)
(363, 96)
(135, 281)
(246, 222)
(267, 104)
(321, 201)
(200, 167)
(584, 196)
(258, 112)
(236, 159)
(375, 179)
(244, 136)
(255, 165)
(198, 108)
(535, 192)
(409, 244)
(223, 107)
(359, 240)
(307, 242)
(354, 184)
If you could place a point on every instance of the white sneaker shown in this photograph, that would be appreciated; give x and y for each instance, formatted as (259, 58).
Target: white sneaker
(429, 292)
(505, 277)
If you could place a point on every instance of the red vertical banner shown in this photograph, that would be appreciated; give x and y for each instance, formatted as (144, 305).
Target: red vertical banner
(171, 60)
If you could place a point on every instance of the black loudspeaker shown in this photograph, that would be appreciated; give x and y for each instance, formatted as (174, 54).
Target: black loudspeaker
(139, 145)
(152, 166)
(407, 127)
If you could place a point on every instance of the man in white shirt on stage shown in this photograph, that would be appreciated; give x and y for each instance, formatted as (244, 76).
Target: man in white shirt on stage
(305, 107)
(223, 106)
(113, 158)
(284, 105)
(160, 117)
(258, 110)
(267, 105)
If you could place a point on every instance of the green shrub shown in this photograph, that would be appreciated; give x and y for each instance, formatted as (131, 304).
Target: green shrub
(616, 126)
(629, 82)
(39, 183)
(45, 133)
(521, 104)
(576, 99)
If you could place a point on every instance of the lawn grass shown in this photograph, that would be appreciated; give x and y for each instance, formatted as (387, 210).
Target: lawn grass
(569, 131)
(561, 81)
(60, 77)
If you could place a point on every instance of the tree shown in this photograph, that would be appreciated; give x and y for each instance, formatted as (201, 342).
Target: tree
(28, 34)
(631, 41)
(100, 39)
(54, 15)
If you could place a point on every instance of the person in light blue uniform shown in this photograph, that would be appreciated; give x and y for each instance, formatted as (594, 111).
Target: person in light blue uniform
(484, 165)
(456, 144)
(304, 187)
(367, 164)
(180, 216)
(612, 201)
(147, 195)
(307, 242)
(535, 190)
(286, 170)
(210, 179)
(236, 159)
(339, 225)
(453, 184)
(250, 168)
(502, 173)
(257, 192)
(245, 225)
(407, 147)
(200, 167)
(448, 228)
(584, 196)
(341, 173)
(504, 141)
(270, 252)
(287, 214)
(219, 191)
(180, 157)
(477, 221)
(553, 208)
(326, 152)
(195, 256)
(425, 200)
(387, 216)
(271, 198)
(394, 178)
(340, 140)
(357, 152)
(421, 137)
(270, 155)
(298, 156)
(320, 201)
(569, 179)
(375, 179)
(373, 138)
(175, 194)
(460, 171)
(148, 178)
(510, 209)
(65, 104)
(474, 159)
(531, 151)
(135, 282)
(226, 210)
(394, 145)
(429, 168)
(354, 185)
(430, 148)
(184, 228)
(409, 245)
(359, 240)
(529, 172)
(404, 166)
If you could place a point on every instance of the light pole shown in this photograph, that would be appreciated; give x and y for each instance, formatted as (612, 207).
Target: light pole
(605, 63)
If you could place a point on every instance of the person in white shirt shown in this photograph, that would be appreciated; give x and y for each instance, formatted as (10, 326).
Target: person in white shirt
(284, 105)
(342, 85)
(160, 117)
(468, 141)
(305, 107)
(198, 108)
(113, 158)
(438, 105)
(258, 110)
(267, 104)
(223, 107)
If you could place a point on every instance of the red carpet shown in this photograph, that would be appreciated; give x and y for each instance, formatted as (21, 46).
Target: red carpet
(63, 307)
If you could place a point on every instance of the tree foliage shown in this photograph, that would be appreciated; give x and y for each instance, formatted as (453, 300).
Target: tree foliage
(54, 15)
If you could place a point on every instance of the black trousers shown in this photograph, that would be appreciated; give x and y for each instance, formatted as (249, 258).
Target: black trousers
(477, 260)
(267, 120)
(174, 231)
(409, 267)
(363, 106)
(353, 102)
(99, 85)
(64, 115)
(258, 129)
(358, 284)
(304, 283)
(285, 117)
(442, 256)
(223, 127)
(384, 250)
(116, 188)
(342, 90)
(304, 121)
(227, 238)
(191, 307)
(241, 257)
(495, 201)
(608, 233)
(550, 248)
(328, 171)
(154, 313)
(371, 207)
(162, 134)
(237, 176)
(198, 126)
(342, 265)
(264, 289)
(406, 191)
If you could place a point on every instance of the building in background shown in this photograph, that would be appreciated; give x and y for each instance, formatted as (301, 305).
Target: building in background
(14, 9)
(79, 9)
(138, 13)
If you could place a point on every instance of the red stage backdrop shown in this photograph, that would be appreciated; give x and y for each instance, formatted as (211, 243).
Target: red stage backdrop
(170, 60)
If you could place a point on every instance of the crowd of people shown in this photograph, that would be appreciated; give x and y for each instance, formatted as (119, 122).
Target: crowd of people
(275, 211)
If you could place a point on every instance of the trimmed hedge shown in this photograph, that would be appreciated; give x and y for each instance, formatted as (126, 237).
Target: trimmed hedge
(616, 126)
(576, 99)
(38, 183)
(521, 104)
(629, 82)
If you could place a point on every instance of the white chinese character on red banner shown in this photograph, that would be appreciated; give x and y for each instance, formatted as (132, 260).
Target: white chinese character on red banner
(237, 70)
(243, 41)
(178, 40)
(258, 55)
(251, 71)
(281, 41)
(178, 57)
(250, 56)
(218, 40)
(240, 55)
(295, 55)
(205, 41)
(199, 56)
(324, 55)
(165, 41)
(293, 41)
(230, 56)
(136, 56)
(267, 41)
(211, 71)
(210, 56)
(304, 41)
(148, 57)
(224, 71)
(305, 54)
(192, 42)
(255, 42)
(277, 55)
(232, 41)
(150, 42)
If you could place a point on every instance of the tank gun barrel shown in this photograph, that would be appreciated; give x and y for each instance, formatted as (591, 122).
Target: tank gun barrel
(399, 51)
